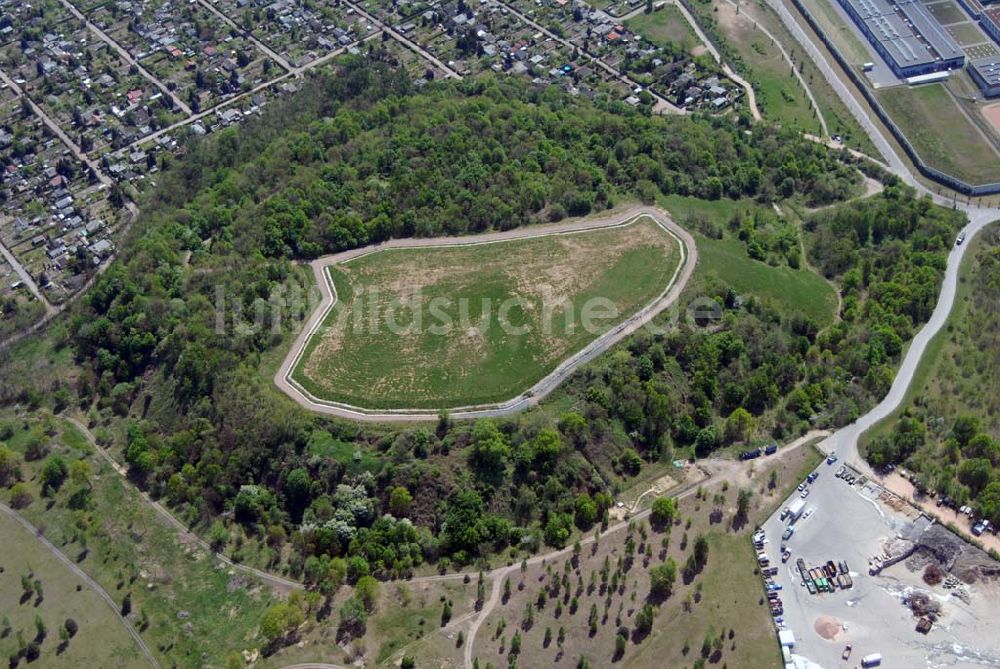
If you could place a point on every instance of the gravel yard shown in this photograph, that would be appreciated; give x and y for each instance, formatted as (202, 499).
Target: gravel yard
(849, 523)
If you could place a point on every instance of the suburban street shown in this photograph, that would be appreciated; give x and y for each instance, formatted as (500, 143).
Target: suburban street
(661, 102)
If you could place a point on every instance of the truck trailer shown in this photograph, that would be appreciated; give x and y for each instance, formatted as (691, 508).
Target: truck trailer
(795, 509)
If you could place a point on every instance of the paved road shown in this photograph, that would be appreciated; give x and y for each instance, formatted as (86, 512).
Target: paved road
(50, 310)
(26, 278)
(295, 72)
(896, 164)
(688, 258)
(126, 56)
(845, 440)
(409, 44)
(82, 575)
(54, 127)
(249, 35)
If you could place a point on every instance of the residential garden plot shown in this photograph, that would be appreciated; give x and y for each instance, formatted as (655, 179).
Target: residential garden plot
(941, 133)
(664, 26)
(86, 87)
(492, 319)
(298, 30)
(188, 48)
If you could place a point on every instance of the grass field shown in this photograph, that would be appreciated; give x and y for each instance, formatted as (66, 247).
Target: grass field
(941, 133)
(779, 94)
(406, 620)
(492, 319)
(195, 612)
(101, 640)
(839, 30)
(790, 290)
(665, 26)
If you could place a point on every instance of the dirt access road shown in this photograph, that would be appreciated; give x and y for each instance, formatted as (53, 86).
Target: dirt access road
(689, 258)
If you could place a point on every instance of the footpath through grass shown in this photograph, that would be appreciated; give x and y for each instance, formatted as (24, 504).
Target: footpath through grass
(100, 639)
(663, 27)
(190, 610)
(789, 290)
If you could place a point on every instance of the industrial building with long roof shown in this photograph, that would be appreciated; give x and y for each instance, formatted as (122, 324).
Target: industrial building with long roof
(906, 35)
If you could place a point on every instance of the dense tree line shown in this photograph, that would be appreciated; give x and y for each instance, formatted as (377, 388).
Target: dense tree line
(948, 435)
(360, 157)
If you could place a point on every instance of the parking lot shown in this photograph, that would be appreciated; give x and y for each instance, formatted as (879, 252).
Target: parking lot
(843, 522)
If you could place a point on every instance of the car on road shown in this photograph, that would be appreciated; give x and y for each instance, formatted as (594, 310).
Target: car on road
(789, 531)
(830, 459)
(804, 494)
(961, 238)
(847, 652)
(802, 486)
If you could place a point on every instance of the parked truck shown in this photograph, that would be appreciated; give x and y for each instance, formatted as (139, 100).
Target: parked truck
(795, 509)
(873, 660)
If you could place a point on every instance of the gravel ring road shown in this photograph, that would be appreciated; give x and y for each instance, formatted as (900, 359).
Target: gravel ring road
(689, 258)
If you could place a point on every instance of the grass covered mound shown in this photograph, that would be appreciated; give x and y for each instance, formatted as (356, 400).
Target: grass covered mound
(465, 325)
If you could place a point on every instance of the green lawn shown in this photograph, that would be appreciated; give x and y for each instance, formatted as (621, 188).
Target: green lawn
(940, 132)
(839, 30)
(780, 96)
(101, 640)
(789, 290)
(197, 612)
(492, 319)
(666, 26)
(354, 458)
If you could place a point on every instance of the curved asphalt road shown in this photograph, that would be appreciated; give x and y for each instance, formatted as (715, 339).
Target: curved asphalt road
(845, 440)
(689, 257)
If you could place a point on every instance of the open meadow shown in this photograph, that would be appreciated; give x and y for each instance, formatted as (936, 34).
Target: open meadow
(36, 587)
(463, 325)
(941, 133)
(190, 610)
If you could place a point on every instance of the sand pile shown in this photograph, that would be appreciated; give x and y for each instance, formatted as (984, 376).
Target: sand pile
(827, 627)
